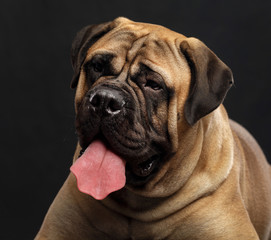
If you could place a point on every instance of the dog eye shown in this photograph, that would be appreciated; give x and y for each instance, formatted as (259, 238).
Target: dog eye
(153, 85)
(100, 63)
(98, 67)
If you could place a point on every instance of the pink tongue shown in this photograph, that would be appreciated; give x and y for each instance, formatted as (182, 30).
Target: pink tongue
(99, 171)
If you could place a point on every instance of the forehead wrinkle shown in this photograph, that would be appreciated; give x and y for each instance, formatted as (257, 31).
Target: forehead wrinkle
(135, 47)
(165, 58)
(147, 50)
(131, 56)
(155, 62)
(155, 67)
(111, 42)
(121, 35)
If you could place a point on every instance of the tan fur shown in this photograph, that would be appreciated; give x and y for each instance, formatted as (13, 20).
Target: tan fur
(216, 186)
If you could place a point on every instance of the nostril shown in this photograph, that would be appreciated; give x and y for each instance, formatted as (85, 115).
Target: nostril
(95, 100)
(114, 106)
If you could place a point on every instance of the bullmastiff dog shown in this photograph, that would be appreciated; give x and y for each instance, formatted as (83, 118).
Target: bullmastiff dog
(157, 156)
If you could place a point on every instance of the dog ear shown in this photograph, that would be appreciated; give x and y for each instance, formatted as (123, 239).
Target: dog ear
(210, 80)
(84, 39)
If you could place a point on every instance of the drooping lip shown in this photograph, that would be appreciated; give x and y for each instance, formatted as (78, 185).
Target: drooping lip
(146, 167)
(141, 173)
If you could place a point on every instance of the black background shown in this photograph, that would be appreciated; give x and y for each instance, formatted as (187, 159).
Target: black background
(37, 114)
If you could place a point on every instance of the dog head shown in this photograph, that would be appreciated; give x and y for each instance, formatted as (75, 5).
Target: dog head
(139, 87)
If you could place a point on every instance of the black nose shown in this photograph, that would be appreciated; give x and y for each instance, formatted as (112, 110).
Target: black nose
(107, 101)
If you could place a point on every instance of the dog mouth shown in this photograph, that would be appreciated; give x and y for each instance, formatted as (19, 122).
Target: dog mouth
(101, 168)
(137, 172)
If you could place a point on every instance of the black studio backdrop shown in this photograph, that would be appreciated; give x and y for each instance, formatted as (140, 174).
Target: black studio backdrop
(37, 114)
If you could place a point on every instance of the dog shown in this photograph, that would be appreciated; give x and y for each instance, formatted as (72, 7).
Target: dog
(157, 156)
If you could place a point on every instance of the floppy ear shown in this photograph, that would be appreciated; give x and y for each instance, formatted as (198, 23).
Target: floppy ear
(210, 80)
(84, 39)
